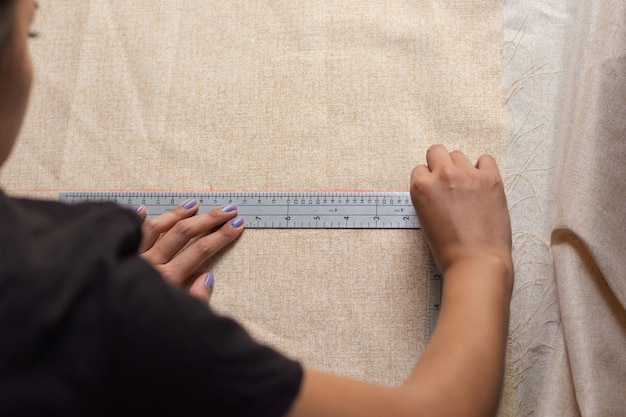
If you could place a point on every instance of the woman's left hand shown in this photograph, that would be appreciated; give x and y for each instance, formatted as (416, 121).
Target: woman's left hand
(178, 242)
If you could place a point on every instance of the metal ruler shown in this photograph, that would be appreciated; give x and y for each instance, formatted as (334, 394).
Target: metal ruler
(282, 210)
(292, 210)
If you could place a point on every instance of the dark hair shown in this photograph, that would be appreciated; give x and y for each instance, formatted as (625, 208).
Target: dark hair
(6, 19)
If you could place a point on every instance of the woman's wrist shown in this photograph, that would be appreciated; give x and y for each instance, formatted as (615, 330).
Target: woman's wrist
(486, 270)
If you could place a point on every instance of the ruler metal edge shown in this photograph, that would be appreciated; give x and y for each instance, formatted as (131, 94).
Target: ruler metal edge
(296, 210)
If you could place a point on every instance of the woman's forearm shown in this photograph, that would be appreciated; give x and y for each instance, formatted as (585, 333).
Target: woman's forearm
(460, 372)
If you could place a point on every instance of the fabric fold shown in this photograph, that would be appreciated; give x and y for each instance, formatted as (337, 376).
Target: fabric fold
(589, 235)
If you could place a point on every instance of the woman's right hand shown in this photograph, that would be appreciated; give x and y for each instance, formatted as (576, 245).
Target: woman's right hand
(462, 208)
(463, 212)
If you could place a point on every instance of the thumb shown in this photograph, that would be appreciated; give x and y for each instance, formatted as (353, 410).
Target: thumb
(203, 287)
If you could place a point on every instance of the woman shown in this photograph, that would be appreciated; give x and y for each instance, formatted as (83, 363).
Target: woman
(91, 323)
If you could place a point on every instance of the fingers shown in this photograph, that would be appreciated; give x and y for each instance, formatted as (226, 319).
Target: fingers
(203, 287)
(437, 156)
(446, 166)
(420, 170)
(141, 212)
(487, 162)
(191, 259)
(183, 231)
(460, 160)
(419, 179)
(155, 226)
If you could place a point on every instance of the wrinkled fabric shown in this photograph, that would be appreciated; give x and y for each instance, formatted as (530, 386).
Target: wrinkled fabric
(565, 68)
(589, 238)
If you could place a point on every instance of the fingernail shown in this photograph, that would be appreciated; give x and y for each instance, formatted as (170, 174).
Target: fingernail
(189, 204)
(237, 222)
(229, 208)
(208, 281)
(139, 209)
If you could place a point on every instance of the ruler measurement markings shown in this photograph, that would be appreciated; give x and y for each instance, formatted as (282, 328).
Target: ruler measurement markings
(435, 293)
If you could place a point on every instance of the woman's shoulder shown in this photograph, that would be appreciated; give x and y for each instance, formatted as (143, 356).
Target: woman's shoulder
(41, 215)
(63, 241)
(60, 273)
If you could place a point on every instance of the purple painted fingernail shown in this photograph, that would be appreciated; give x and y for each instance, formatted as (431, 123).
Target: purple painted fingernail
(189, 204)
(229, 208)
(208, 281)
(139, 209)
(237, 222)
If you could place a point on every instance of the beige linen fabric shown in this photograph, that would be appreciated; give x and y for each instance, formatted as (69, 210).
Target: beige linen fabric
(273, 95)
(536, 45)
(566, 76)
(589, 238)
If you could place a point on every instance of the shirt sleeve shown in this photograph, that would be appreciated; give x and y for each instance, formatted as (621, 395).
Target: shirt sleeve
(171, 353)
